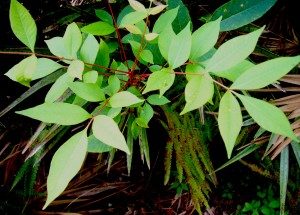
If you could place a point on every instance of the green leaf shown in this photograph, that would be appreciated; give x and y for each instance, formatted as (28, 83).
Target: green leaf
(161, 80)
(192, 70)
(144, 146)
(296, 149)
(89, 49)
(283, 177)
(165, 20)
(124, 99)
(233, 51)
(45, 67)
(22, 24)
(59, 113)
(57, 47)
(268, 116)
(24, 70)
(137, 6)
(104, 16)
(58, 88)
(96, 146)
(102, 57)
(180, 48)
(106, 130)
(72, 40)
(263, 74)
(87, 91)
(75, 69)
(234, 72)
(204, 39)
(133, 18)
(237, 13)
(147, 56)
(145, 115)
(157, 100)
(98, 28)
(230, 120)
(65, 164)
(114, 85)
(183, 16)
(198, 91)
(164, 41)
(90, 77)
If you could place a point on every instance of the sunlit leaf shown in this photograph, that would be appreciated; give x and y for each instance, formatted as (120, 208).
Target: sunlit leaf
(87, 91)
(164, 41)
(136, 5)
(233, 51)
(165, 20)
(157, 100)
(133, 18)
(75, 69)
(268, 116)
(265, 73)
(22, 24)
(106, 130)
(59, 113)
(230, 120)
(204, 38)
(157, 9)
(89, 49)
(24, 70)
(72, 41)
(98, 28)
(65, 164)
(45, 67)
(124, 99)
(161, 80)
(198, 91)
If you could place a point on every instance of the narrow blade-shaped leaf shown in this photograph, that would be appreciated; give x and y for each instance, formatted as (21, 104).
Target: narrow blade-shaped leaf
(180, 48)
(205, 38)
(238, 13)
(283, 177)
(65, 164)
(161, 80)
(124, 99)
(106, 130)
(268, 116)
(234, 51)
(22, 24)
(59, 113)
(23, 71)
(87, 91)
(198, 91)
(230, 120)
(265, 73)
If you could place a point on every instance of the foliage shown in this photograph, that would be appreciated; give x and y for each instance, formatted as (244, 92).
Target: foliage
(105, 95)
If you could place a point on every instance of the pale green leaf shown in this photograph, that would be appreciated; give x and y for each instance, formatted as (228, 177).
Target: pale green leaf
(192, 70)
(133, 29)
(90, 77)
(87, 91)
(198, 91)
(114, 112)
(22, 24)
(24, 70)
(157, 100)
(165, 20)
(204, 39)
(89, 49)
(137, 6)
(151, 36)
(230, 120)
(59, 113)
(75, 69)
(124, 99)
(265, 73)
(234, 72)
(133, 18)
(164, 40)
(106, 130)
(58, 88)
(65, 164)
(157, 9)
(96, 146)
(102, 57)
(145, 115)
(72, 40)
(233, 51)
(98, 28)
(114, 85)
(268, 116)
(180, 48)
(283, 178)
(147, 56)
(57, 47)
(45, 67)
(161, 80)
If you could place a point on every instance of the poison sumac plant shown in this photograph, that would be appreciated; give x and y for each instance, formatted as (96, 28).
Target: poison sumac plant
(123, 92)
